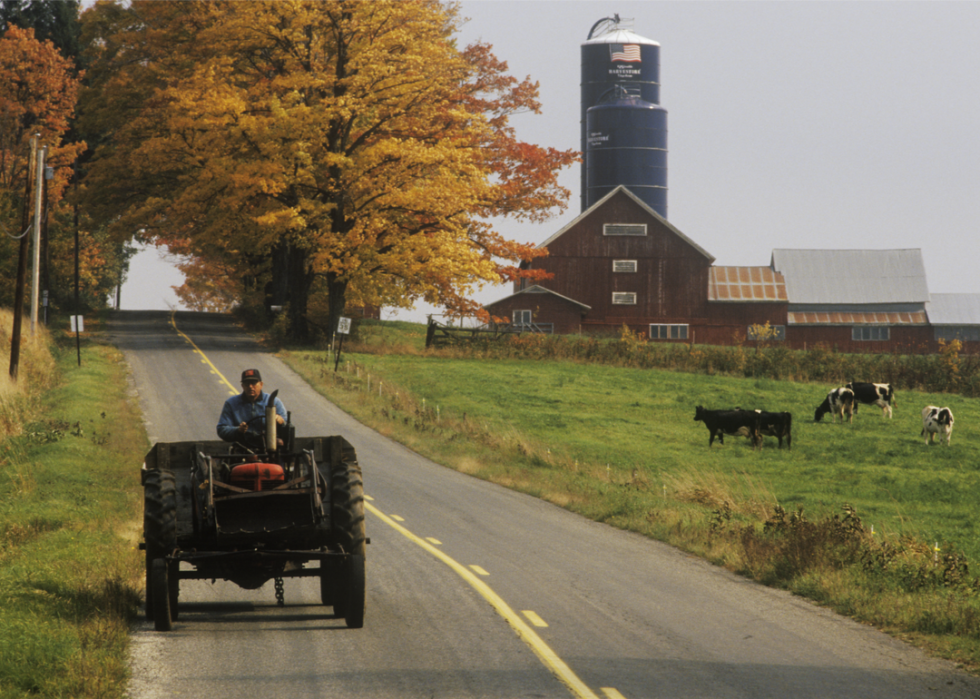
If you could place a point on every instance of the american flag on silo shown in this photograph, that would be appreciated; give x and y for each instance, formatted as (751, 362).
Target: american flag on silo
(625, 52)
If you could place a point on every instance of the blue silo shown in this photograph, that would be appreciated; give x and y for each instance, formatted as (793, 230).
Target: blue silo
(626, 145)
(613, 56)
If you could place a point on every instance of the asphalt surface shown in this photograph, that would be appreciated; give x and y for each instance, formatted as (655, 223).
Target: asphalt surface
(476, 591)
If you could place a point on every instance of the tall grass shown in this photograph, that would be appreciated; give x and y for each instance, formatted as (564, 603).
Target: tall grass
(947, 372)
(19, 399)
(70, 572)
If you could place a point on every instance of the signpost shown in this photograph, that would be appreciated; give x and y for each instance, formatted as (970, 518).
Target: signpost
(343, 328)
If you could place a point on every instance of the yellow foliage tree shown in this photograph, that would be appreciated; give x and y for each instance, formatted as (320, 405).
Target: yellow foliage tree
(347, 145)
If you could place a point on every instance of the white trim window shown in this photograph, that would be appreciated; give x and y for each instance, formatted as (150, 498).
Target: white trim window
(624, 266)
(624, 229)
(624, 298)
(870, 333)
(522, 317)
(664, 331)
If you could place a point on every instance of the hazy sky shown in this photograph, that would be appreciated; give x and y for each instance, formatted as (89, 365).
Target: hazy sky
(828, 125)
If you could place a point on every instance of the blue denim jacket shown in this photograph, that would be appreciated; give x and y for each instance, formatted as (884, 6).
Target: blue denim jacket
(236, 411)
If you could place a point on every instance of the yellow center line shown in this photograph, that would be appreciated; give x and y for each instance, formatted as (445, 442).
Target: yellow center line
(544, 652)
(524, 632)
(204, 357)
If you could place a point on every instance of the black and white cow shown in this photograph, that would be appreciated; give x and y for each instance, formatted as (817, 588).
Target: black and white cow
(880, 394)
(937, 421)
(840, 402)
(722, 422)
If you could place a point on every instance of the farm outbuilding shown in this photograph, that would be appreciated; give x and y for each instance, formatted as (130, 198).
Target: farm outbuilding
(620, 263)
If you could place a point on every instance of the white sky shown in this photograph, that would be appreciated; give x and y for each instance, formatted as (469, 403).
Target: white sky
(831, 125)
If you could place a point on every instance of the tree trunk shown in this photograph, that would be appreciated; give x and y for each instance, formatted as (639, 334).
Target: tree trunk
(300, 280)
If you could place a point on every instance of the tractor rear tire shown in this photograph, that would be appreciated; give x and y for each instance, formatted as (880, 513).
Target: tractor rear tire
(159, 523)
(159, 583)
(347, 516)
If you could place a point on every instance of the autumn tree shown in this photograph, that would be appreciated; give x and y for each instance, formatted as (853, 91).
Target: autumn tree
(52, 20)
(38, 91)
(345, 146)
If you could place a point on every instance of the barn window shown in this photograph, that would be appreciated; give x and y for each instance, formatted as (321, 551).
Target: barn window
(522, 317)
(624, 298)
(778, 333)
(668, 332)
(620, 266)
(865, 333)
(624, 229)
(963, 333)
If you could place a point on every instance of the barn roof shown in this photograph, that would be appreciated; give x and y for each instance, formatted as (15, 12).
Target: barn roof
(954, 309)
(624, 190)
(535, 289)
(745, 284)
(852, 276)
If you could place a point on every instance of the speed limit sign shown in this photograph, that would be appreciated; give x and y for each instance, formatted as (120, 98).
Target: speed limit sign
(343, 326)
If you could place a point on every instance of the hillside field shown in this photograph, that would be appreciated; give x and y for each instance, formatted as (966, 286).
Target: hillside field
(637, 426)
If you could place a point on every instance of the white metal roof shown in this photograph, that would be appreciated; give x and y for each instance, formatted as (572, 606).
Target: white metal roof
(621, 36)
(954, 309)
(852, 276)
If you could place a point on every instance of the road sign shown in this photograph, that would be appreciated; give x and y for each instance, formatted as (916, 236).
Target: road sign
(343, 327)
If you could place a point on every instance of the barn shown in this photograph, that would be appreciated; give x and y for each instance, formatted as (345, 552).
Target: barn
(620, 263)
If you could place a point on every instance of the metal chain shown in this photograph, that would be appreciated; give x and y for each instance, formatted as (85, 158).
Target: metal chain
(280, 596)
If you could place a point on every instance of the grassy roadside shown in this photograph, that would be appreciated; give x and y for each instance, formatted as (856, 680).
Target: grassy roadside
(619, 445)
(70, 510)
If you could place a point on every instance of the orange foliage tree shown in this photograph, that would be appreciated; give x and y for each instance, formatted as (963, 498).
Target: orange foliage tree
(345, 147)
(38, 91)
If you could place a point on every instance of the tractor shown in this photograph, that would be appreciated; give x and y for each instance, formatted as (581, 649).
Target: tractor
(250, 513)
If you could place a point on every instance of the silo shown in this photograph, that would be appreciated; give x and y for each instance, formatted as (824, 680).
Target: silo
(615, 56)
(627, 145)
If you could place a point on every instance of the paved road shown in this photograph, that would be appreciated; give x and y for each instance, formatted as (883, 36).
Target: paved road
(453, 566)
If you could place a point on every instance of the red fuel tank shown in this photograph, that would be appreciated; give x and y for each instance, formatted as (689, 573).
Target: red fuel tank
(257, 476)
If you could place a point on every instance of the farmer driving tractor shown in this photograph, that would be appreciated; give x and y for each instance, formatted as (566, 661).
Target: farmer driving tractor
(243, 416)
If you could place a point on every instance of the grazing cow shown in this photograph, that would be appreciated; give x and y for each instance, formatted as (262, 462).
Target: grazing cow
(880, 394)
(777, 425)
(937, 421)
(722, 422)
(840, 401)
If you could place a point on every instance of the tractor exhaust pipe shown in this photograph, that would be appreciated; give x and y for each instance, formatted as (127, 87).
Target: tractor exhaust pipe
(270, 423)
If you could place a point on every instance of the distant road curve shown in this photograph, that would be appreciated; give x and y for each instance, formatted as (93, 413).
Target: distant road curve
(627, 616)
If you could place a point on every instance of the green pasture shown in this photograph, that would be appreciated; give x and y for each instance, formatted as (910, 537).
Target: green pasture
(627, 419)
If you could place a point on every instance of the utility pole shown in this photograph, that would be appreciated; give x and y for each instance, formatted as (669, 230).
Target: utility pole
(36, 271)
(22, 266)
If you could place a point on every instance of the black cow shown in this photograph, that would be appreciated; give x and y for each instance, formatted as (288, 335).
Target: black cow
(722, 422)
(777, 425)
(839, 401)
(880, 394)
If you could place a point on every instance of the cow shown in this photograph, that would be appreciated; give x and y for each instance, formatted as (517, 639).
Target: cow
(937, 421)
(777, 425)
(722, 422)
(880, 394)
(840, 401)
